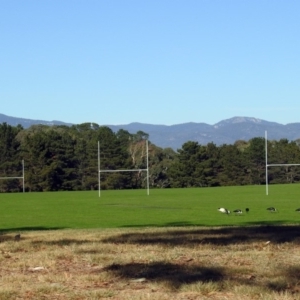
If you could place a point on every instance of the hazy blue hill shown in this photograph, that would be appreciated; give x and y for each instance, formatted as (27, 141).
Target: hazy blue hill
(26, 123)
(174, 136)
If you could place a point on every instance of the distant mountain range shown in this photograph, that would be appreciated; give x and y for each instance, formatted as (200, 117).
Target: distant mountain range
(174, 136)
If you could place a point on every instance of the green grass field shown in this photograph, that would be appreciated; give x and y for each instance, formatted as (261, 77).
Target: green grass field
(134, 208)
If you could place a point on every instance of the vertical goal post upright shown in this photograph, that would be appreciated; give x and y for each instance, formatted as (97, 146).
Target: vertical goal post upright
(272, 165)
(18, 177)
(123, 170)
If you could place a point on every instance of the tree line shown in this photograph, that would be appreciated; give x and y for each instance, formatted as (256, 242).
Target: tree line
(63, 158)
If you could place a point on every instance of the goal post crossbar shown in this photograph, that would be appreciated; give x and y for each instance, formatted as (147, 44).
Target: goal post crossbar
(123, 170)
(11, 177)
(111, 171)
(282, 165)
(18, 177)
(272, 165)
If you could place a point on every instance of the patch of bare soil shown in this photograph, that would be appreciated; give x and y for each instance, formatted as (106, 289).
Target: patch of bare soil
(261, 262)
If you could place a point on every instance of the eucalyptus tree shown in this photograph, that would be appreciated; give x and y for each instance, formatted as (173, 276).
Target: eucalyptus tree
(160, 160)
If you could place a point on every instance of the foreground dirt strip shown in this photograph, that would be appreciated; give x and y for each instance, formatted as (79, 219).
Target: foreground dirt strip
(174, 263)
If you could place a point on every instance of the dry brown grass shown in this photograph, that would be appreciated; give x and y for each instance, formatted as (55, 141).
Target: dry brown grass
(173, 263)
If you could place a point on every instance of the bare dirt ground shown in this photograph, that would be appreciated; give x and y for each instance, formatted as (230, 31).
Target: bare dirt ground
(175, 263)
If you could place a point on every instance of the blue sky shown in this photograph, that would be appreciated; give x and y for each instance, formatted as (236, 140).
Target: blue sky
(159, 62)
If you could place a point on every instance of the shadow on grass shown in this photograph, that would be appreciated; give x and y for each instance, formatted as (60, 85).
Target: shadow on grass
(222, 236)
(173, 275)
(63, 242)
(176, 275)
(288, 282)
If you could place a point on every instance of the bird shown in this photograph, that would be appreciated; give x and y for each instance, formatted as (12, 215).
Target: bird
(247, 209)
(224, 210)
(271, 209)
(17, 237)
(238, 211)
(298, 209)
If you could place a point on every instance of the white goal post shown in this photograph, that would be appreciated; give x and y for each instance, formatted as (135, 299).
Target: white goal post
(272, 165)
(123, 170)
(18, 177)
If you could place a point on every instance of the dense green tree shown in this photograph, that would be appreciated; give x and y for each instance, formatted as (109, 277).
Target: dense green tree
(283, 152)
(66, 158)
(10, 158)
(160, 160)
(255, 160)
(233, 171)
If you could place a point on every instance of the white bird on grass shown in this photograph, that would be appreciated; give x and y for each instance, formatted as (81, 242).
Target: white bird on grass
(224, 210)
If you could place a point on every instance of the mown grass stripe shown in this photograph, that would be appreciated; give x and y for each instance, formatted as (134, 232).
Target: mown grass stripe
(163, 207)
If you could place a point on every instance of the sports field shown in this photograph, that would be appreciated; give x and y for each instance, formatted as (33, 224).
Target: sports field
(131, 246)
(163, 207)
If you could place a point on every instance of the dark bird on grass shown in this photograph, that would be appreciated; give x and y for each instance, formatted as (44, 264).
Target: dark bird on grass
(238, 211)
(298, 209)
(224, 210)
(17, 237)
(247, 209)
(271, 209)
